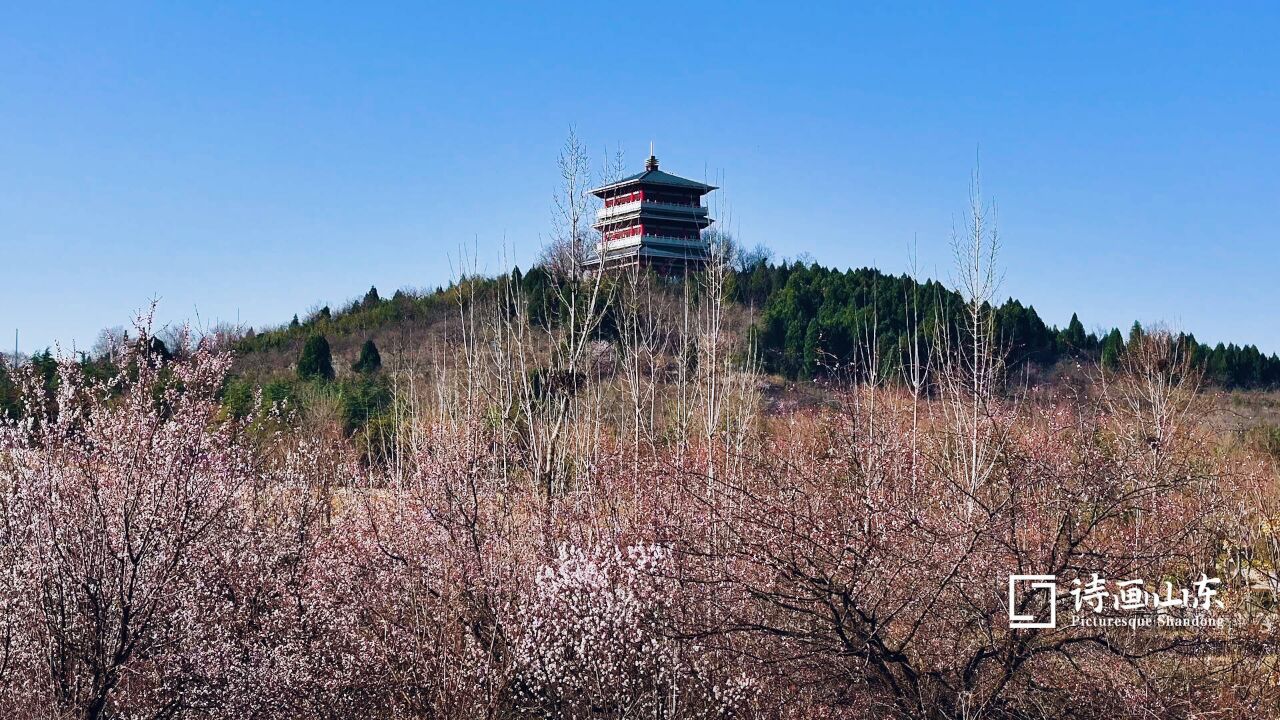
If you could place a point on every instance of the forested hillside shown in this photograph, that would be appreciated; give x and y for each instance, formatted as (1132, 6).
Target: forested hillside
(812, 318)
(807, 321)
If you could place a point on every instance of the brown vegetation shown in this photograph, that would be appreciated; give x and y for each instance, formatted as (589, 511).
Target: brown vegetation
(576, 529)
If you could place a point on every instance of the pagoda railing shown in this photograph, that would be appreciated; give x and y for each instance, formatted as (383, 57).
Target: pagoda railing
(664, 239)
(634, 204)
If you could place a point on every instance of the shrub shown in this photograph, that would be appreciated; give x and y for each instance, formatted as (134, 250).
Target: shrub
(1266, 438)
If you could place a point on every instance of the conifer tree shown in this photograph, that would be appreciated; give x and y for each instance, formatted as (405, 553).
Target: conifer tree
(1112, 348)
(370, 360)
(1074, 336)
(1136, 332)
(316, 361)
(1218, 370)
(10, 401)
(810, 367)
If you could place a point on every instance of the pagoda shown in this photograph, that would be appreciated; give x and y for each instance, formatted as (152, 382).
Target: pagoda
(653, 220)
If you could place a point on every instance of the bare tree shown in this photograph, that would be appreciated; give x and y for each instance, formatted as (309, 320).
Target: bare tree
(745, 260)
(973, 363)
(572, 236)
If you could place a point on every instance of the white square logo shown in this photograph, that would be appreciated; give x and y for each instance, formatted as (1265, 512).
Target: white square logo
(1032, 583)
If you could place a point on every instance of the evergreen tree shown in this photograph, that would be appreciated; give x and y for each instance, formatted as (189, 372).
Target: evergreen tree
(294, 324)
(362, 401)
(1249, 372)
(811, 351)
(45, 367)
(370, 360)
(1136, 332)
(1073, 337)
(1112, 348)
(371, 298)
(1216, 369)
(10, 400)
(316, 361)
(758, 287)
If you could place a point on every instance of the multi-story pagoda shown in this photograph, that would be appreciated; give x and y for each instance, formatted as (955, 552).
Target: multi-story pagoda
(654, 220)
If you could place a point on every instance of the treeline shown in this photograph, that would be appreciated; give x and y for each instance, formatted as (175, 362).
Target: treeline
(811, 322)
(816, 321)
(43, 369)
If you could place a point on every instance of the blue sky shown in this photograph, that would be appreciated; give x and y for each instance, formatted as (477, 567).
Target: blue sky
(240, 161)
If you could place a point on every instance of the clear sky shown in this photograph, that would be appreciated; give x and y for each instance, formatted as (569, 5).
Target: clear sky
(240, 161)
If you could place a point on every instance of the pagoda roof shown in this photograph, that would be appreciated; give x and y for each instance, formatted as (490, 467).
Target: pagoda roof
(655, 177)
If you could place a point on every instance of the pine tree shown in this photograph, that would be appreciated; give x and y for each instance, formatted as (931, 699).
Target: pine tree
(811, 358)
(1112, 348)
(294, 324)
(1217, 369)
(371, 298)
(1136, 332)
(370, 360)
(45, 367)
(316, 361)
(1073, 337)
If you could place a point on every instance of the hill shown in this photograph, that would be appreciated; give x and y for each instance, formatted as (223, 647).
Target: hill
(805, 322)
